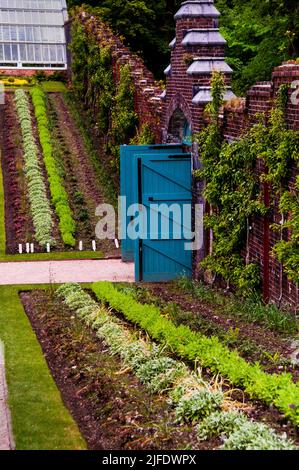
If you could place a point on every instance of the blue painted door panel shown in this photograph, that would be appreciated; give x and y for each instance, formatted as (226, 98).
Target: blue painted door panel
(129, 184)
(160, 253)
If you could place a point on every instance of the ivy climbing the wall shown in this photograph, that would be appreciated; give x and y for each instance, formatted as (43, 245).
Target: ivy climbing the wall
(92, 75)
(281, 156)
(109, 102)
(143, 137)
(233, 190)
(123, 117)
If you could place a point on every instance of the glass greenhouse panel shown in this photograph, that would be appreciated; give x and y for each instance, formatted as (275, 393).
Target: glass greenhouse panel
(32, 33)
(37, 17)
(33, 4)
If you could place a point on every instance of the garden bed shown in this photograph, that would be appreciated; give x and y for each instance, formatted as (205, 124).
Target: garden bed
(255, 341)
(211, 353)
(126, 394)
(112, 408)
(80, 181)
(18, 223)
(83, 342)
(83, 185)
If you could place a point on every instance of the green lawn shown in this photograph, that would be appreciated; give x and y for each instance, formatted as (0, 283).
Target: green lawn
(55, 256)
(47, 86)
(53, 87)
(40, 419)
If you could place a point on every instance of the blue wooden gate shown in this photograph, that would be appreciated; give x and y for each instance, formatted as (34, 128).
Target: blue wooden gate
(158, 178)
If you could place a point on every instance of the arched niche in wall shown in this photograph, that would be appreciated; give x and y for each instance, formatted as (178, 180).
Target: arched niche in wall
(178, 120)
(179, 129)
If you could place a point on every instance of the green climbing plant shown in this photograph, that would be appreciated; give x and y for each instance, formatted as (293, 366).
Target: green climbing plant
(278, 147)
(143, 137)
(92, 75)
(79, 49)
(233, 193)
(233, 190)
(123, 117)
(108, 102)
(282, 160)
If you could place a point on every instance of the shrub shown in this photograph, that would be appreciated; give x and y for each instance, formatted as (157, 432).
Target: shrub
(59, 195)
(37, 193)
(58, 77)
(40, 76)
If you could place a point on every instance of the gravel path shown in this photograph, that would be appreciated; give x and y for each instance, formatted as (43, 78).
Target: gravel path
(6, 438)
(46, 272)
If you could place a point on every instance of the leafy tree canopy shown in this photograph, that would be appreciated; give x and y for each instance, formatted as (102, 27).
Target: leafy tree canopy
(260, 33)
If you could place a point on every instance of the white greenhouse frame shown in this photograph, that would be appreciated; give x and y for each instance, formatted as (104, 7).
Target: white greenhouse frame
(32, 34)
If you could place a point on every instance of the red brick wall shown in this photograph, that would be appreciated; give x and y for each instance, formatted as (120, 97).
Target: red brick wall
(235, 119)
(182, 87)
(237, 116)
(179, 85)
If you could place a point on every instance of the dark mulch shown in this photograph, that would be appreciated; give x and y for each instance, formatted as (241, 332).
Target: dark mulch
(112, 408)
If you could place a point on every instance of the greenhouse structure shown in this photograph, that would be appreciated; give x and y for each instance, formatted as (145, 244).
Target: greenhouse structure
(32, 34)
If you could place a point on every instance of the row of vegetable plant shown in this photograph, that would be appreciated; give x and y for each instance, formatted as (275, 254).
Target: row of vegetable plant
(273, 389)
(194, 399)
(59, 195)
(37, 193)
(71, 169)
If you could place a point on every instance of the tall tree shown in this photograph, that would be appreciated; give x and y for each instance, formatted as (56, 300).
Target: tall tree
(260, 33)
(147, 25)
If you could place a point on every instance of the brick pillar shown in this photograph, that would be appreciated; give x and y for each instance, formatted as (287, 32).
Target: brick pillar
(288, 72)
(197, 50)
